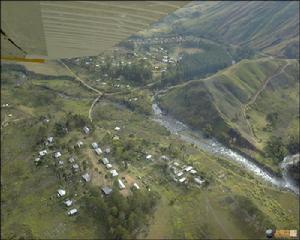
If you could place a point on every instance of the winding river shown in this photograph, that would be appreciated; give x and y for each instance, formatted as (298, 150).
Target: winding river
(214, 147)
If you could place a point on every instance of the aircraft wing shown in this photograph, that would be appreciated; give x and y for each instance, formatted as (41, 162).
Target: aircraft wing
(67, 29)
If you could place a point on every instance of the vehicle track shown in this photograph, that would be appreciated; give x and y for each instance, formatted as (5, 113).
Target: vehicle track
(254, 97)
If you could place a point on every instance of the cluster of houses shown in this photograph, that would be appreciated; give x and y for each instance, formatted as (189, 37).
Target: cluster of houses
(159, 40)
(180, 173)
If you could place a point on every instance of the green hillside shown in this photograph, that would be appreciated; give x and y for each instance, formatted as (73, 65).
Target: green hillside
(220, 105)
(268, 26)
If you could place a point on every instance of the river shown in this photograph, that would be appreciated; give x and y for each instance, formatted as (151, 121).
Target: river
(212, 146)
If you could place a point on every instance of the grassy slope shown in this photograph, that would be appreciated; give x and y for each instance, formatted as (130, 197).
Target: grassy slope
(218, 100)
(270, 26)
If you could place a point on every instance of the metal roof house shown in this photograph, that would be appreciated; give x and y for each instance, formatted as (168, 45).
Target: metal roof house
(98, 151)
(108, 166)
(79, 144)
(61, 192)
(105, 161)
(114, 173)
(72, 211)
(198, 180)
(86, 130)
(42, 153)
(106, 190)
(188, 168)
(68, 202)
(57, 154)
(121, 184)
(86, 177)
(182, 179)
(95, 145)
(136, 186)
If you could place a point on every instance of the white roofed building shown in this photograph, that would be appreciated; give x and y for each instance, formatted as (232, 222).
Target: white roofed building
(181, 180)
(72, 211)
(98, 151)
(57, 154)
(86, 177)
(61, 192)
(121, 184)
(105, 161)
(86, 130)
(95, 145)
(108, 166)
(188, 168)
(114, 173)
(68, 203)
(42, 153)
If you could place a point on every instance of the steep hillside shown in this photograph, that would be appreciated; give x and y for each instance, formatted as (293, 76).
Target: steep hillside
(269, 26)
(232, 105)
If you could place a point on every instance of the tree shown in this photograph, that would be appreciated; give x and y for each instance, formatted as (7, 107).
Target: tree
(276, 149)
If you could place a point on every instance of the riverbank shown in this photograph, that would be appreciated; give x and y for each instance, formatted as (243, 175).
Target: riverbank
(214, 147)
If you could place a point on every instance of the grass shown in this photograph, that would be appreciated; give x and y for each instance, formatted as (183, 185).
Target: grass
(218, 101)
(29, 194)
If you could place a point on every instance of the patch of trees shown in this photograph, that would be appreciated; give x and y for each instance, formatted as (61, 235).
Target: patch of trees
(276, 148)
(122, 216)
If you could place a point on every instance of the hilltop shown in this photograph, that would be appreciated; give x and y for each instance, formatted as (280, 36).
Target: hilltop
(271, 28)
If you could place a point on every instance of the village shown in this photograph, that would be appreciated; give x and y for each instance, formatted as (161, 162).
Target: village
(181, 174)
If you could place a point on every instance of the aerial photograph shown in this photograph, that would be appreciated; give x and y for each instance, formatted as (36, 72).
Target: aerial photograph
(150, 120)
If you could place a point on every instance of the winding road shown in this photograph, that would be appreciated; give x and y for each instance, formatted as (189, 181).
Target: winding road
(100, 94)
(258, 92)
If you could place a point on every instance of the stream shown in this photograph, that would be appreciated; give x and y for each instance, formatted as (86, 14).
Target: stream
(212, 146)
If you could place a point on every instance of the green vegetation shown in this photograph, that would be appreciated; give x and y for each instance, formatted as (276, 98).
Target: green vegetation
(215, 105)
(272, 28)
(160, 208)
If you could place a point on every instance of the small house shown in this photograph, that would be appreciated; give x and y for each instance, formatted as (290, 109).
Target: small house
(61, 192)
(106, 190)
(148, 157)
(136, 186)
(86, 130)
(72, 212)
(79, 144)
(121, 184)
(176, 164)
(163, 157)
(37, 161)
(57, 154)
(198, 180)
(68, 203)
(75, 167)
(105, 161)
(116, 138)
(117, 128)
(114, 173)
(61, 162)
(86, 177)
(179, 174)
(71, 160)
(42, 153)
(188, 168)
(181, 180)
(98, 151)
(108, 166)
(50, 139)
(95, 145)
(193, 171)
